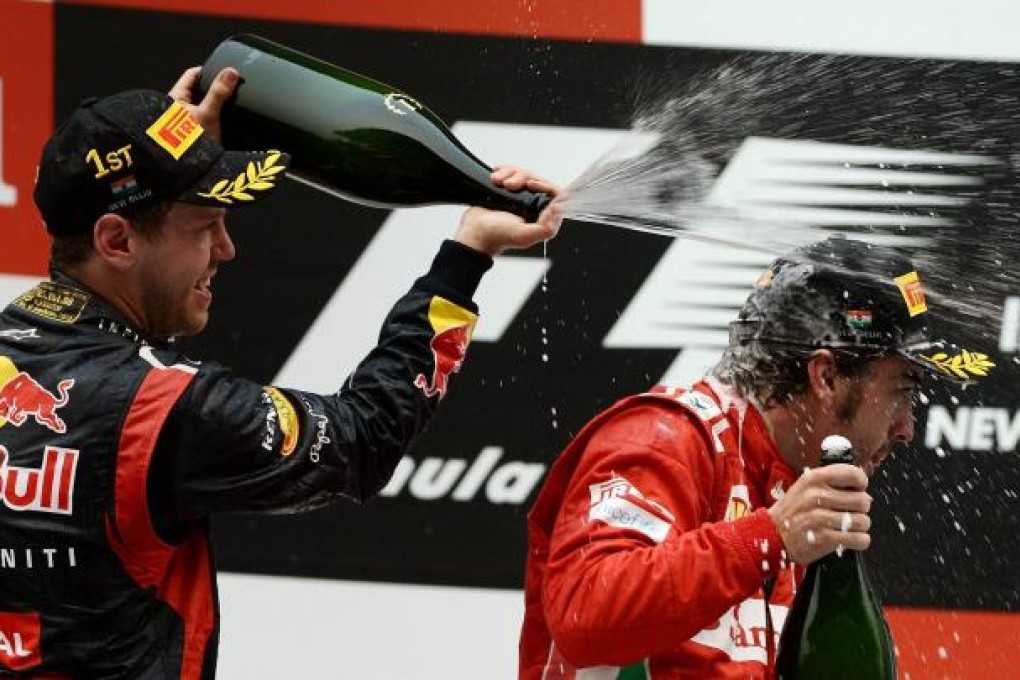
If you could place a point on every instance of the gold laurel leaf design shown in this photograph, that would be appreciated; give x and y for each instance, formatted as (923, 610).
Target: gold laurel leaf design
(220, 186)
(257, 176)
(964, 365)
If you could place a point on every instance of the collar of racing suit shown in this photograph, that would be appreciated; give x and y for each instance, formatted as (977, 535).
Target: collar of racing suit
(106, 315)
(763, 463)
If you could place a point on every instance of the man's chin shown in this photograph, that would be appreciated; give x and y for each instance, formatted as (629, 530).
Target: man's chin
(871, 466)
(194, 325)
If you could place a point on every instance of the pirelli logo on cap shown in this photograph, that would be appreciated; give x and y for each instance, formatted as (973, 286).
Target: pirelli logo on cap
(176, 130)
(910, 286)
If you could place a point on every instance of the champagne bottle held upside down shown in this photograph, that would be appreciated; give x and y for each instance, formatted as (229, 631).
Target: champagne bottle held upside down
(350, 135)
(836, 629)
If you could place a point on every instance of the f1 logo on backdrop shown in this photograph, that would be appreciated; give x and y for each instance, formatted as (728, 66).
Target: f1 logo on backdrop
(766, 181)
(688, 298)
(696, 289)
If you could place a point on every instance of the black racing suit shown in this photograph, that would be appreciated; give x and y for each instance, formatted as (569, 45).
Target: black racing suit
(115, 449)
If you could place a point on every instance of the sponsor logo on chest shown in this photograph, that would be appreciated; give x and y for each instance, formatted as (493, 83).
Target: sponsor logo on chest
(19, 640)
(49, 488)
(742, 633)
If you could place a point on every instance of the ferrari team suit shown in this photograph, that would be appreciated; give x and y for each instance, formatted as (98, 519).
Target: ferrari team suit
(115, 449)
(651, 553)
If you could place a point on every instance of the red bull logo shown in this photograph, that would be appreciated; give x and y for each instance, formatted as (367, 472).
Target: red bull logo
(47, 489)
(21, 397)
(453, 326)
(448, 349)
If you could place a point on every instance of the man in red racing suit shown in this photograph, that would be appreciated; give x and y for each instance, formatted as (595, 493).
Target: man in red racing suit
(669, 536)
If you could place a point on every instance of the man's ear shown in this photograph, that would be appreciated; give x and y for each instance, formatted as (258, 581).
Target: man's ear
(822, 374)
(115, 240)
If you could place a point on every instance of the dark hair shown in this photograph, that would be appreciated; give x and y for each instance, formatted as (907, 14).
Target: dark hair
(775, 373)
(73, 250)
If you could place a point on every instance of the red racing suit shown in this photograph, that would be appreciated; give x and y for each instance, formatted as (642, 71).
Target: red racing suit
(115, 449)
(651, 553)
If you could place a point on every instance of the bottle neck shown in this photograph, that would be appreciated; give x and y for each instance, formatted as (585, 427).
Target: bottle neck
(842, 576)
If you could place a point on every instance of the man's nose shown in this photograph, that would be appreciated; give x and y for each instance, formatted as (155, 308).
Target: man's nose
(224, 245)
(903, 427)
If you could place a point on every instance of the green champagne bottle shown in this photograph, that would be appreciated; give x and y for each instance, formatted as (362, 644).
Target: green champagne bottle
(836, 629)
(350, 135)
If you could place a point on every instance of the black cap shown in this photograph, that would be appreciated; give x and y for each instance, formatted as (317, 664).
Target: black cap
(137, 148)
(846, 294)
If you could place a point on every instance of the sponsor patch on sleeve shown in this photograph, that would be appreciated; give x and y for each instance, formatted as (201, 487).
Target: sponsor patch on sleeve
(613, 503)
(287, 419)
(452, 326)
(700, 404)
(739, 504)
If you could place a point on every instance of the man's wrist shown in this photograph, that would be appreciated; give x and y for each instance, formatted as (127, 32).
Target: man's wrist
(457, 268)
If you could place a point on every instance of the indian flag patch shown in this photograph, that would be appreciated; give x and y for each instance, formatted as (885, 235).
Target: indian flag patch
(859, 319)
(124, 186)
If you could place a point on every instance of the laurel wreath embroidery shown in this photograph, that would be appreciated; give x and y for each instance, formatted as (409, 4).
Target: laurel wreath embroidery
(963, 365)
(258, 176)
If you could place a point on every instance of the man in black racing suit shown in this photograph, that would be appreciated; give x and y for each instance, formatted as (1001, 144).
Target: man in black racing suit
(115, 448)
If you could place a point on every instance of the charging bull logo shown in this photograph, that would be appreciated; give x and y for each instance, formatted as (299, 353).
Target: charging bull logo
(452, 326)
(22, 396)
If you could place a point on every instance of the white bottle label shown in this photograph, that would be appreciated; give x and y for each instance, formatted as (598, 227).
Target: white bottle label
(8, 194)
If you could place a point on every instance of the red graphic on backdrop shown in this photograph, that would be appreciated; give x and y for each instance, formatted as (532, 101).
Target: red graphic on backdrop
(610, 20)
(26, 120)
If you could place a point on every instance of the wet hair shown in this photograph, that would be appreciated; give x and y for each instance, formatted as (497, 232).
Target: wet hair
(774, 374)
(73, 250)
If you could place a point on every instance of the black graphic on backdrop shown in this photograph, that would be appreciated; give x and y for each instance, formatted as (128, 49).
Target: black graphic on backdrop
(956, 544)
